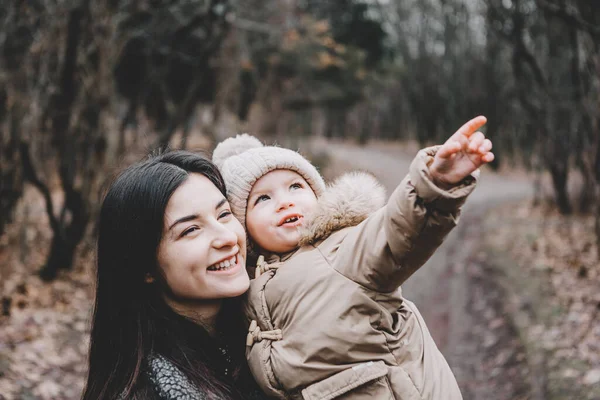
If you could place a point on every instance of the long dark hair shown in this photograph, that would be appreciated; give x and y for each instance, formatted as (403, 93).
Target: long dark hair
(131, 319)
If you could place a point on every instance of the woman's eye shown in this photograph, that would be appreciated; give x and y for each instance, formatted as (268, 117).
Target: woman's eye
(261, 198)
(224, 214)
(189, 230)
(296, 186)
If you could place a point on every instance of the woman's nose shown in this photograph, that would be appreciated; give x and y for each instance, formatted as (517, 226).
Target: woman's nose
(224, 237)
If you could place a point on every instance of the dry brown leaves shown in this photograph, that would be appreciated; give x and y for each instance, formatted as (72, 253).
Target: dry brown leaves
(559, 250)
(44, 329)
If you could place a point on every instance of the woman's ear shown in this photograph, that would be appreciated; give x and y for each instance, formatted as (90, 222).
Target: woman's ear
(148, 278)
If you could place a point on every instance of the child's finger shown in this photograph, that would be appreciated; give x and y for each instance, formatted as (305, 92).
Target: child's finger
(476, 141)
(488, 157)
(485, 146)
(471, 127)
(448, 149)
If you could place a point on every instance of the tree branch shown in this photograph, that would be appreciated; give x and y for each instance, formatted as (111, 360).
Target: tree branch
(31, 176)
(521, 51)
(247, 25)
(573, 18)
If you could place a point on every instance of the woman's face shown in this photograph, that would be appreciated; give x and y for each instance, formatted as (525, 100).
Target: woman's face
(203, 249)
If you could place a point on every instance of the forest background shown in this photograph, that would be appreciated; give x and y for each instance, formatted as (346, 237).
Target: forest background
(88, 87)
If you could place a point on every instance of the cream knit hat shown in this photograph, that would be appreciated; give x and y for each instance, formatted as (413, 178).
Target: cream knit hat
(243, 160)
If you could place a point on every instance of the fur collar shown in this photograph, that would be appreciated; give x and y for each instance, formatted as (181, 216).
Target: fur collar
(348, 201)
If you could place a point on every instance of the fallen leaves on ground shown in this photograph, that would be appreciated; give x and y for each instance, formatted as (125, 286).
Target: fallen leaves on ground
(559, 251)
(44, 327)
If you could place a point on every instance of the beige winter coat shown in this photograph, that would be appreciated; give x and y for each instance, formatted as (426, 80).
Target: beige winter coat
(330, 319)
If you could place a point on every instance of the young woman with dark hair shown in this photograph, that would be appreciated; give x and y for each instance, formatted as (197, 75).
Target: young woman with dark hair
(170, 270)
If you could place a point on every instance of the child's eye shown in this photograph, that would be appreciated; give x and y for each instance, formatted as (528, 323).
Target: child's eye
(296, 185)
(189, 230)
(261, 198)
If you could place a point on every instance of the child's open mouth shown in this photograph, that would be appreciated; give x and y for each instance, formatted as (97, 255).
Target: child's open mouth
(291, 220)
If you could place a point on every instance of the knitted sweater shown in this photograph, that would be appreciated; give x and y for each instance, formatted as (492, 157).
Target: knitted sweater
(167, 382)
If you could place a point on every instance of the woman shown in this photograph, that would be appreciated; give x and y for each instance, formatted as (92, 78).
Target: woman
(171, 260)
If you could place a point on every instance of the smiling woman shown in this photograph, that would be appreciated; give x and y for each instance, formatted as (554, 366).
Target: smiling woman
(203, 248)
(171, 268)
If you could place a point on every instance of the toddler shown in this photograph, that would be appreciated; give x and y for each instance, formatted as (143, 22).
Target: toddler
(327, 315)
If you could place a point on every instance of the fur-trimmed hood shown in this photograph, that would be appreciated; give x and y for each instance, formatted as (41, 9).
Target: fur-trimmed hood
(348, 201)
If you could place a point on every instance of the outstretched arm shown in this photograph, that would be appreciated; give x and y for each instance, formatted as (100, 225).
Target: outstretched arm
(387, 248)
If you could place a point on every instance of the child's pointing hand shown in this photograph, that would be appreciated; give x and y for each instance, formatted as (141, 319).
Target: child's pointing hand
(463, 153)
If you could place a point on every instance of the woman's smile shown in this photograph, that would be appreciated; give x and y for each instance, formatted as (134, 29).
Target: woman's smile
(228, 266)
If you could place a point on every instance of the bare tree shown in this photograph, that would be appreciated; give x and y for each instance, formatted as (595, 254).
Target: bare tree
(168, 63)
(71, 118)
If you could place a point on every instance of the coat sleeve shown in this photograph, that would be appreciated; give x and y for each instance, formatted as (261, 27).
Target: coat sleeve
(389, 246)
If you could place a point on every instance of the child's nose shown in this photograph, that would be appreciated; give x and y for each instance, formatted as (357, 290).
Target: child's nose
(285, 204)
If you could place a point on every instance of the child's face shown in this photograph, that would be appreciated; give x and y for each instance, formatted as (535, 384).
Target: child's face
(277, 205)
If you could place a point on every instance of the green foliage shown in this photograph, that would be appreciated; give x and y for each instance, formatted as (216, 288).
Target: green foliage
(352, 24)
(325, 55)
(322, 71)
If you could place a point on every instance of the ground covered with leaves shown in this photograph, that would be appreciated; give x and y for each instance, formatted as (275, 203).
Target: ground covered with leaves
(547, 267)
(44, 327)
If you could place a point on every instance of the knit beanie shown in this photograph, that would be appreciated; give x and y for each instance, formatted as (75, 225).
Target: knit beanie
(243, 160)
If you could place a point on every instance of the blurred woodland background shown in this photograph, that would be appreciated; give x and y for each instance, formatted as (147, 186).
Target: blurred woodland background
(87, 87)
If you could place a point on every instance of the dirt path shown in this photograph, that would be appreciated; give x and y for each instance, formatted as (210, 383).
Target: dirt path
(461, 307)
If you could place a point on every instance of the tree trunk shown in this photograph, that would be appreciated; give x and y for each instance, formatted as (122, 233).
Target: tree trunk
(366, 126)
(128, 121)
(11, 174)
(587, 196)
(336, 122)
(597, 221)
(559, 172)
(61, 257)
(67, 234)
(597, 177)
(538, 192)
(184, 110)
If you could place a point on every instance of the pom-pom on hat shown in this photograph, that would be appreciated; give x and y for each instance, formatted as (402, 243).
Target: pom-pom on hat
(243, 160)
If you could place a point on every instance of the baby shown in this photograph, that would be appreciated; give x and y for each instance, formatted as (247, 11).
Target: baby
(328, 319)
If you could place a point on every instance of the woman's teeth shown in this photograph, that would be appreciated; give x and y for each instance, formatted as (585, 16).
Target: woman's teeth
(292, 219)
(224, 264)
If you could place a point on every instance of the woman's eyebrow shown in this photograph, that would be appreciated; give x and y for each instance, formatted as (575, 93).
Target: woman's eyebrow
(196, 216)
(184, 219)
(220, 203)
